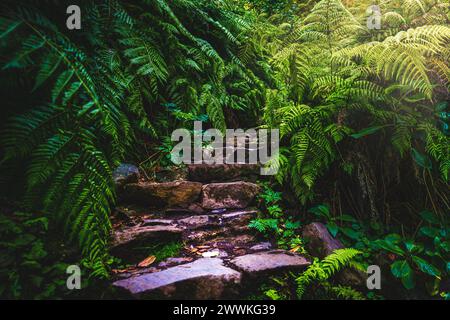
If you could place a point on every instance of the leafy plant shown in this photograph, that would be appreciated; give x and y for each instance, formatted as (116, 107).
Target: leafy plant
(276, 224)
(323, 211)
(320, 271)
(29, 269)
(413, 256)
(86, 101)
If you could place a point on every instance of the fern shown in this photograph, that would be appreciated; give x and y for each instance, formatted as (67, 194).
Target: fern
(104, 90)
(320, 271)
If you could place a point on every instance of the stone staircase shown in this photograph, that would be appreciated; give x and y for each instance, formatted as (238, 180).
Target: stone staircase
(209, 213)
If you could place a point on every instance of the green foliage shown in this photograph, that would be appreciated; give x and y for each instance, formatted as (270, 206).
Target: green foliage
(161, 250)
(334, 80)
(29, 269)
(424, 255)
(323, 211)
(275, 224)
(97, 92)
(320, 271)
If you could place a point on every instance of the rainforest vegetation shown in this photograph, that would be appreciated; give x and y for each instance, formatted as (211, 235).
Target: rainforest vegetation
(363, 116)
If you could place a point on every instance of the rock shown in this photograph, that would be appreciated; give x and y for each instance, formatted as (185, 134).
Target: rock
(195, 221)
(128, 237)
(233, 195)
(211, 254)
(205, 278)
(218, 211)
(177, 211)
(238, 215)
(196, 208)
(176, 193)
(170, 262)
(261, 246)
(203, 235)
(320, 242)
(133, 271)
(125, 173)
(156, 222)
(220, 172)
(267, 261)
(229, 242)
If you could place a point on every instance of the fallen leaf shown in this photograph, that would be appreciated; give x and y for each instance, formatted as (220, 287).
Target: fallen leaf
(295, 249)
(119, 270)
(193, 250)
(147, 261)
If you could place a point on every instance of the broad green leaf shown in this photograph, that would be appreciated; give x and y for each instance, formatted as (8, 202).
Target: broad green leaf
(389, 246)
(366, 132)
(393, 238)
(429, 217)
(426, 267)
(421, 159)
(429, 231)
(445, 245)
(347, 218)
(408, 281)
(413, 247)
(349, 232)
(400, 268)
(333, 228)
(321, 210)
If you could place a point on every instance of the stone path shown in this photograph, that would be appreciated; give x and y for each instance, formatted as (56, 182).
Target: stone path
(209, 213)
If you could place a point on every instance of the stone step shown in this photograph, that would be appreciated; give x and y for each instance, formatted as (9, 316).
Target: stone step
(134, 236)
(269, 261)
(162, 194)
(205, 278)
(190, 228)
(233, 218)
(235, 195)
(210, 278)
(222, 172)
(190, 196)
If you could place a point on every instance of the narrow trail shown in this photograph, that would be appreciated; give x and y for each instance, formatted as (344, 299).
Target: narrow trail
(208, 210)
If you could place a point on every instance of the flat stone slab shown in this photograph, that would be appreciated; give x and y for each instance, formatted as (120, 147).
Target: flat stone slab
(232, 195)
(159, 195)
(195, 221)
(269, 261)
(130, 235)
(205, 278)
(232, 219)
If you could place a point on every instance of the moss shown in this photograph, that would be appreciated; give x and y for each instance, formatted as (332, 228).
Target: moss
(162, 250)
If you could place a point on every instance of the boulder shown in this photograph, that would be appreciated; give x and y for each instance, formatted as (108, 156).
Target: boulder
(268, 261)
(205, 278)
(233, 195)
(176, 193)
(320, 242)
(220, 172)
(125, 173)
